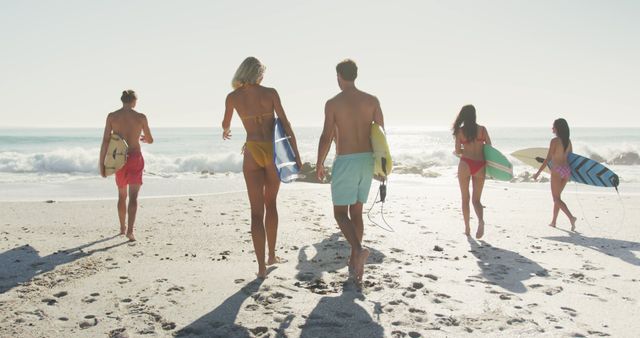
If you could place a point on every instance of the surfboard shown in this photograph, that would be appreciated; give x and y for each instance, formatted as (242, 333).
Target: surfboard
(116, 155)
(498, 166)
(583, 170)
(382, 156)
(283, 156)
(533, 157)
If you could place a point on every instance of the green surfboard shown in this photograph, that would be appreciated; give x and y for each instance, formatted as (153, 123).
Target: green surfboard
(498, 167)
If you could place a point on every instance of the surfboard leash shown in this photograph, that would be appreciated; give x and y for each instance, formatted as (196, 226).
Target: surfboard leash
(618, 229)
(382, 192)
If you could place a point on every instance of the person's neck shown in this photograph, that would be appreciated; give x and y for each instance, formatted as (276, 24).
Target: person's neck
(348, 86)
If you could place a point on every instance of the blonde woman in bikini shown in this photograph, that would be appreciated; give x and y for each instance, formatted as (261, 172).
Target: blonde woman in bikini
(470, 139)
(559, 148)
(257, 107)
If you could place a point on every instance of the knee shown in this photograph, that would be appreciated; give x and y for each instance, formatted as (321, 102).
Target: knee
(271, 206)
(476, 202)
(257, 216)
(340, 217)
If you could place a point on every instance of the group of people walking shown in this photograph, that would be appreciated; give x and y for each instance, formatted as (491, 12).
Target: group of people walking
(348, 119)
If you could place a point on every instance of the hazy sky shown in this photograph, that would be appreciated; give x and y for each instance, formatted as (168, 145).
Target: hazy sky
(65, 63)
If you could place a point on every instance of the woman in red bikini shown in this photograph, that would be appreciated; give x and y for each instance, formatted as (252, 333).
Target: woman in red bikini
(470, 139)
(559, 148)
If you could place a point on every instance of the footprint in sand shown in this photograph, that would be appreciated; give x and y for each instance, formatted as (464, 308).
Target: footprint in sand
(124, 280)
(571, 312)
(49, 301)
(60, 294)
(553, 290)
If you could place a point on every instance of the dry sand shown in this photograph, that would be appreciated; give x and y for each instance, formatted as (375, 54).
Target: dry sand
(63, 273)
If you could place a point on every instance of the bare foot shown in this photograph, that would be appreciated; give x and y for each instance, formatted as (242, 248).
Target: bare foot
(275, 260)
(123, 229)
(573, 223)
(360, 262)
(262, 273)
(131, 237)
(553, 225)
(467, 230)
(480, 231)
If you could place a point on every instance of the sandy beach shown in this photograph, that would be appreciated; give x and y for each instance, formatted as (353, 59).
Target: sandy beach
(192, 272)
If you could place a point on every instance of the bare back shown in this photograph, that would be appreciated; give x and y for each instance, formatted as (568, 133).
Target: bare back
(557, 153)
(474, 149)
(129, 124)
(352, 112)
(255, 106)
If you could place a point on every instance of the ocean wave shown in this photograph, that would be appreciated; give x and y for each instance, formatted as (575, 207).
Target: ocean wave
(426, 161)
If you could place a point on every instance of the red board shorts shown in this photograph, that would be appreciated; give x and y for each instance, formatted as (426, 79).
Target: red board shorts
(131, 173)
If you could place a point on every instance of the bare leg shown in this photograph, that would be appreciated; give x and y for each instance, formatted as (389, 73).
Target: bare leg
(348, 229)
(122, 209)
(463, 178)
(557, 186)
(478, 185)
(272, 185)
(254, 177)
(132, 210)
(355, 213)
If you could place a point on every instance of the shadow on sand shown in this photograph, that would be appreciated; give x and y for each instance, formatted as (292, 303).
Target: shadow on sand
(341, 316)
(504, 268)
(331, 255)
(221, 321)
(21, 264)
(611, 247)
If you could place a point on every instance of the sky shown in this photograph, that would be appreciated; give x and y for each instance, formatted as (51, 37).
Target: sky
(521, 63)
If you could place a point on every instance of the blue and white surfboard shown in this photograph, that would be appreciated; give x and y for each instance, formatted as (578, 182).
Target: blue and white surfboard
(283, 155)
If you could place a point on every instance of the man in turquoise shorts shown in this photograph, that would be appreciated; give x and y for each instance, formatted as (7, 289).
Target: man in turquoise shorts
(348, 118)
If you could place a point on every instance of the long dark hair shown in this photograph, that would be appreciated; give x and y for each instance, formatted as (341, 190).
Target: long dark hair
(562, 131)
(467, 116)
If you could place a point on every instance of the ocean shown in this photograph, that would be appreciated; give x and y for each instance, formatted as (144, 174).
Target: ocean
(38, 164)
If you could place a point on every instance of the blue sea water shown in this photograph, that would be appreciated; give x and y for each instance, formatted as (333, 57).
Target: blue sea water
(61, 160)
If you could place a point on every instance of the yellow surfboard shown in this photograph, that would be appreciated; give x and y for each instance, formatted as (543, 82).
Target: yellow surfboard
(116, 154)
(382, 155)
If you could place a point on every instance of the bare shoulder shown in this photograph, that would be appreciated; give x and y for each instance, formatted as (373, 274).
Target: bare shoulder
(332, 101)
(141, 116)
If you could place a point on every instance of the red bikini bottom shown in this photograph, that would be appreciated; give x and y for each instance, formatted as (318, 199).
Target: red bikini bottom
(474, 165)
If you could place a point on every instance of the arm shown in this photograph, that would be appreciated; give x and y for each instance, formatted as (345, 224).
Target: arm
(105, 145)
(146, 137)
(226, 121)
(458, 150)
(546, 160)
(277, 105)
(378, 118)
(325, 140)
(487, 139)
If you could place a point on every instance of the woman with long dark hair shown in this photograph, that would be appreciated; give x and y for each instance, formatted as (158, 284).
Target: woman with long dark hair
(257, 107)
(559, 148)
(470, 139)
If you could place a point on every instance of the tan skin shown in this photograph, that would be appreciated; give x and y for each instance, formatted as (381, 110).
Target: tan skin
(348, 118)
(558, 156)
(472, 150)
(134, 128)
(262, 183)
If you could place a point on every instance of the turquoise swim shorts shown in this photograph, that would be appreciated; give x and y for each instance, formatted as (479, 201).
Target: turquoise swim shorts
(351, 177)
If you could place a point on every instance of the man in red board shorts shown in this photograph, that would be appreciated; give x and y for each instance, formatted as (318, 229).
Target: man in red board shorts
(134, 128)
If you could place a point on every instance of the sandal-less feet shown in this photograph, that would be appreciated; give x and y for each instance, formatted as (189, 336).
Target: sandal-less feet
(480, 231)
(131, 237)
(361, 260)
(276, 260)
(573, 223)
(552, 225)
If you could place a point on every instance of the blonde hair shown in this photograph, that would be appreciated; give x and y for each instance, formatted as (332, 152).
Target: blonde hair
(249, 72)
